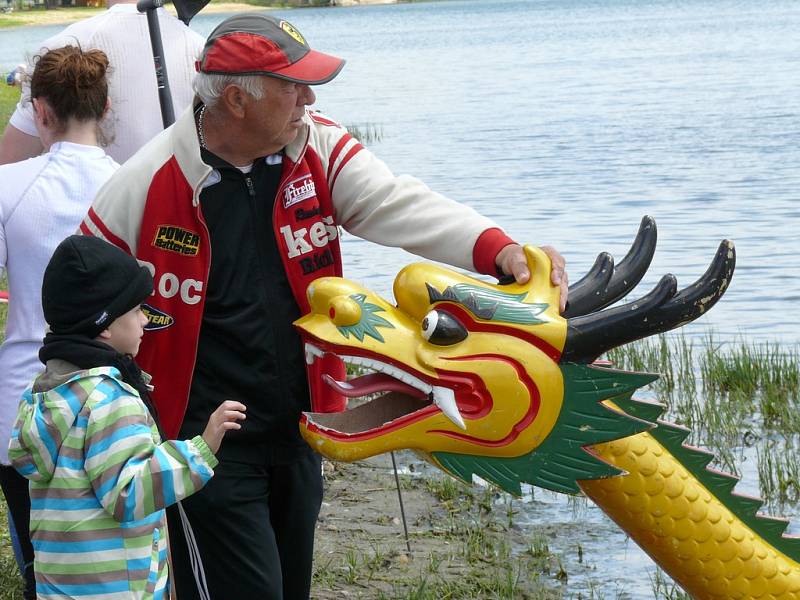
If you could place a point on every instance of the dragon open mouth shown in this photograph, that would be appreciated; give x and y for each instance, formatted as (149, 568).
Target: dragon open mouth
(400, 394)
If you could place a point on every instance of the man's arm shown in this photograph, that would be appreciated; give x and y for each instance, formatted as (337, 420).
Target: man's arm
(17, 145)
(371, 202)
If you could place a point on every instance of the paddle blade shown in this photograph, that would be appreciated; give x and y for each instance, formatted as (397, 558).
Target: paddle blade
(188, 8)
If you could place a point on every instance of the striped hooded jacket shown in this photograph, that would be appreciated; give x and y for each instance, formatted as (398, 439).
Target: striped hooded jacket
(100, 480)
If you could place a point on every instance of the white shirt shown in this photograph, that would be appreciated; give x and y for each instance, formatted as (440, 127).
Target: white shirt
(121, 32)
(42, 201)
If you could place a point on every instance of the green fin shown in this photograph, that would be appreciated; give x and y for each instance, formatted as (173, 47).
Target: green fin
(562, 460)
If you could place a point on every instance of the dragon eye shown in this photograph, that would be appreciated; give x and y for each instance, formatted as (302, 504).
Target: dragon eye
(442, 328)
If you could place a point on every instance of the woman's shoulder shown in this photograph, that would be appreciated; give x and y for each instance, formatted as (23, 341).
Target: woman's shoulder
(16, 178)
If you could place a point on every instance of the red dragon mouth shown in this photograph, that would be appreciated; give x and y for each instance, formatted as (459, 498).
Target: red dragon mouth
(395, 396)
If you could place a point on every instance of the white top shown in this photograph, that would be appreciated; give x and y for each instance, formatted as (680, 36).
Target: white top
(42, 201)
(121, 32)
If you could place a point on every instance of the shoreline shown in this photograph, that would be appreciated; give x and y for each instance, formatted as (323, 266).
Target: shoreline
(460, 541)
(66, 16)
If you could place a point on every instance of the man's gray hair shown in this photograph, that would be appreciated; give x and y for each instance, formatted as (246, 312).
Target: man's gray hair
(209, 86)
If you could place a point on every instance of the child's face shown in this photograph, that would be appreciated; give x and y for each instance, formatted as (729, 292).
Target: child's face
(125, 332)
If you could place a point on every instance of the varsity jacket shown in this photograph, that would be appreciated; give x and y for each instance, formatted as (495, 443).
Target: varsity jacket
(151, 209)
(100, 480)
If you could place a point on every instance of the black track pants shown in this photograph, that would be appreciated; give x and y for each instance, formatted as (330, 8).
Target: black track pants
(15, 489)
(254, 527)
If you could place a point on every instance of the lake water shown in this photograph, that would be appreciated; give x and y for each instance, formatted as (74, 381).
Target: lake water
(566, 121)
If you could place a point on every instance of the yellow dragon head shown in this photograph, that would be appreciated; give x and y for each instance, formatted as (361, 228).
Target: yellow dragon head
(489, 379)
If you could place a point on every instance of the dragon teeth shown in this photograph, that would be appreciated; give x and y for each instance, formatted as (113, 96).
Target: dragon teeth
(312, 352)
(443, 397)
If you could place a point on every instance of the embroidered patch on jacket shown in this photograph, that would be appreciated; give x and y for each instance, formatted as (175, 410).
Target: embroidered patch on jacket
(298, 190)
(156, 319)
(176, 239)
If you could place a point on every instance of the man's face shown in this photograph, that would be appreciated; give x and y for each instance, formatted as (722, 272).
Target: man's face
(277, 118)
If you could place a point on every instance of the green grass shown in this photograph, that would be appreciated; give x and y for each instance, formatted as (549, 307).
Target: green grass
(40, 16)
(9, 96)
(10, 581)
(21, 17)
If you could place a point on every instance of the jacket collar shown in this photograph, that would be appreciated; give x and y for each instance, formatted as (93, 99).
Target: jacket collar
(187, 151)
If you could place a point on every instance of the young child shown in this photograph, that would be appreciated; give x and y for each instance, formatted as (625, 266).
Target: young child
(87, 437)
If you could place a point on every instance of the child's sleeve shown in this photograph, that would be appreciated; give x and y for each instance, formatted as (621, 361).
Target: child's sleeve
(39, 432)
(131, 475)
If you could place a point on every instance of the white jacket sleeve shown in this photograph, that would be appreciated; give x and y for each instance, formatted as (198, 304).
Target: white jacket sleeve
(373, 203)
(22, 117)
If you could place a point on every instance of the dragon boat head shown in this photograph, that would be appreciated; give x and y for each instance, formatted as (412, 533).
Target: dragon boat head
(489, 379)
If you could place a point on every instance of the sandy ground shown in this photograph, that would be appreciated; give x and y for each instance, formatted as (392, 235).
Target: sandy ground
(461, 540)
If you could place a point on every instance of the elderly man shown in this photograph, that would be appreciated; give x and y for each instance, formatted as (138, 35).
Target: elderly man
(236, 210)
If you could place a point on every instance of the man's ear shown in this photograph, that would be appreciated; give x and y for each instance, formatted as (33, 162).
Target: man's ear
(235, 100)
(104, 335)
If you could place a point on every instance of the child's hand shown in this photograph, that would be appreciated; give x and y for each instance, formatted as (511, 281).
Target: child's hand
(221, 420)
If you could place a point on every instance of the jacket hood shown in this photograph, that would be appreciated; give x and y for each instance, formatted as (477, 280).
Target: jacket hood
(49, 409)
(57, 372)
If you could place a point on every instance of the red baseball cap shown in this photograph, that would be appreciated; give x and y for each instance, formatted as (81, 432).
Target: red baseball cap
(258, 44)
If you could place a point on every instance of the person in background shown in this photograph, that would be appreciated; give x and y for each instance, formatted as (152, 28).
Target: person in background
(42, 200)
(135, 116)
(87, 435)
(236, 209)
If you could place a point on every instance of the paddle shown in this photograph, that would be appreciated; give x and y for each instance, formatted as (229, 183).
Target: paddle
(186, 10)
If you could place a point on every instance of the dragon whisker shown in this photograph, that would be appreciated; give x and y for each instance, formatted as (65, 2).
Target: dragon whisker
(591, 335)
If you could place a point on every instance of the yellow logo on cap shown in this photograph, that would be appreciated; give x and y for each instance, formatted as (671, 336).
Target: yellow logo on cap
(289, 28)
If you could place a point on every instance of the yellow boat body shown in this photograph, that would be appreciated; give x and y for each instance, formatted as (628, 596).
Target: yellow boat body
(686, 530)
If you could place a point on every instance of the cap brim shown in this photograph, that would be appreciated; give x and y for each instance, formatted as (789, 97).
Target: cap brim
(313, 69)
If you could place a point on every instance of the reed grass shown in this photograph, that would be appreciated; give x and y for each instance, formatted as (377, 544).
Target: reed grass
(665, 589)
(731, 396)
(779, 473)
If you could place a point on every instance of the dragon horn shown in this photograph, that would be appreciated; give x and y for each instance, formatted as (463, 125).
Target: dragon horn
(591, 335)
(604, 284)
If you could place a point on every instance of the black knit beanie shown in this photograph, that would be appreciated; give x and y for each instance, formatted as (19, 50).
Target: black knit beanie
(88, 283)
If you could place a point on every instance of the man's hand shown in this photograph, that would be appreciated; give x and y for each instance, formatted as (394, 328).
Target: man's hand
(221, 420)
(511, 260)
